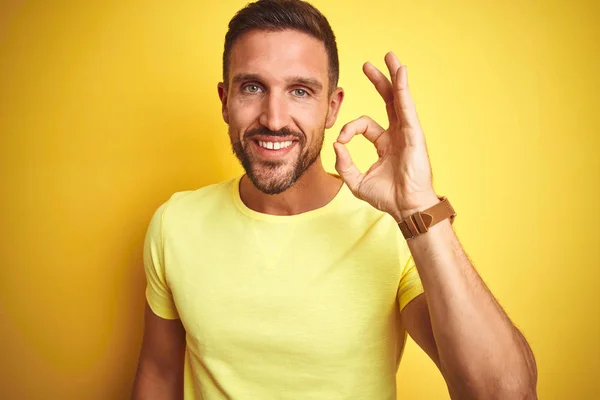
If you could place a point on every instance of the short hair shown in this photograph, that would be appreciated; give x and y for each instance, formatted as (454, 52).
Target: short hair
(280, 15)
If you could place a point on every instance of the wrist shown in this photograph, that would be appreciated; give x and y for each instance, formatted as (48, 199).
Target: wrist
(423, 205)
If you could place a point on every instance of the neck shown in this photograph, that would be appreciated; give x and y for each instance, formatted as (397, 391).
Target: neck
(314, 189)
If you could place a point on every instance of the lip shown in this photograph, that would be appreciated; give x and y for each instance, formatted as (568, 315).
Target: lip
(267, 138)
(273, 154)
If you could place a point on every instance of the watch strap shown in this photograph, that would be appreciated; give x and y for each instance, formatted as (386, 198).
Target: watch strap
(421, 221)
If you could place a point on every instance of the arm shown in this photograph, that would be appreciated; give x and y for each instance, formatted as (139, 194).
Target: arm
(460, 325)
(477, 348)
(160, 368)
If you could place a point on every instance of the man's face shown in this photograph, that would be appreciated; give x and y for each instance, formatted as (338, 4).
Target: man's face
(277, 105)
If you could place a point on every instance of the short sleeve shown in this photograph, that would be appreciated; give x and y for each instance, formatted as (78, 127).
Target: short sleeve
(410, 284)
(158, 294)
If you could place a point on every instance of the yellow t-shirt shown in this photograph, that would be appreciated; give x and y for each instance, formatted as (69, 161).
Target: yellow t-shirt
(281, 307)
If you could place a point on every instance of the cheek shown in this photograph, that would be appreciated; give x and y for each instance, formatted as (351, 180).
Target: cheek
(243, 115)
(310, 118)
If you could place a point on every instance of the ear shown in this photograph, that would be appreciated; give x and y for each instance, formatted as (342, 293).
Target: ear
(335, 103)
(223, 97)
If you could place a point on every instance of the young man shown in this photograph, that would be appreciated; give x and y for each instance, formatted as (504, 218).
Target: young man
(293, 283)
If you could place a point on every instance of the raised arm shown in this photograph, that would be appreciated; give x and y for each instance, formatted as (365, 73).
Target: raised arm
(458, 322)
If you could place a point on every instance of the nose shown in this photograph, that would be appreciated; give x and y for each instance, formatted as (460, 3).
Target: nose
(275, 112)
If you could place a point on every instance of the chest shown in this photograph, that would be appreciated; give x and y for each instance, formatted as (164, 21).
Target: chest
(286, 292)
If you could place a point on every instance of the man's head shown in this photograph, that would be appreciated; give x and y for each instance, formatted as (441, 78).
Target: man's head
(279, 89)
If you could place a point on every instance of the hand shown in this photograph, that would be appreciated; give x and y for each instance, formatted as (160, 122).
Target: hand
(400, 182)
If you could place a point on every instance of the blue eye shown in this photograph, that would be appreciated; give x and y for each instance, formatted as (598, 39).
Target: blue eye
(252, 88)
(300, 92)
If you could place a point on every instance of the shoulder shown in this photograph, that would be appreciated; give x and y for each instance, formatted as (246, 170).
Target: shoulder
(188, 204)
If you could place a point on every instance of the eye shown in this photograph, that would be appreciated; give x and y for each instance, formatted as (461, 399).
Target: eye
(251, 88)
(300, 92)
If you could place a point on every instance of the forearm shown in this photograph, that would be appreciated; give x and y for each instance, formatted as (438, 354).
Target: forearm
(152, 386)
(482, 354)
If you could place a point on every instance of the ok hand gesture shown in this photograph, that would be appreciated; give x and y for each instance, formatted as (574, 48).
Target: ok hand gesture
(400, 182)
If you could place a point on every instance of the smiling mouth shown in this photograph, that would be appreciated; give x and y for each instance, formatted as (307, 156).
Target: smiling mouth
(274, 145)
(274, 149)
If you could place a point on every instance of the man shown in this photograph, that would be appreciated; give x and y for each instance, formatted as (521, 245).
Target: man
(293, 283)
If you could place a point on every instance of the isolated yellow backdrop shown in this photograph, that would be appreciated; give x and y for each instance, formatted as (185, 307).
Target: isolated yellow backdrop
(106, 109)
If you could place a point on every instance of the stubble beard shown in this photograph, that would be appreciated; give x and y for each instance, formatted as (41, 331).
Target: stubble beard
(274, 177)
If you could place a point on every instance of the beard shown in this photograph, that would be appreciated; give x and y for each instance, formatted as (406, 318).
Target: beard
(274, 177)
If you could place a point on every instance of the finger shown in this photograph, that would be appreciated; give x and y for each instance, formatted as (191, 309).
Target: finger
(405, 107)
(365, 126)
(384, 88)
(346, 167)
(393, 65)
(403, 102)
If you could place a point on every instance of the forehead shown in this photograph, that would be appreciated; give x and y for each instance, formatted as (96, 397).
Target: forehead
(279, 54)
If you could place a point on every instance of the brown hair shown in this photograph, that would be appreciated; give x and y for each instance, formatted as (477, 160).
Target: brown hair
(279, 15)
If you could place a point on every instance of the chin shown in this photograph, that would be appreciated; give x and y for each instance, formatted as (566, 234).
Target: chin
(275, 177)
(272, 179)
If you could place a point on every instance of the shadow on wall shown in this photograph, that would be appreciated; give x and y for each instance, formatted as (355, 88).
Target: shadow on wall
(184, 148)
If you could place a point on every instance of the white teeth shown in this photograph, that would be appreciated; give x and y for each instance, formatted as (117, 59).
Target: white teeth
(274, 145)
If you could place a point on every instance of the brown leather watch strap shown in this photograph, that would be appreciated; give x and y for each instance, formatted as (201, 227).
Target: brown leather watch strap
(421, 221)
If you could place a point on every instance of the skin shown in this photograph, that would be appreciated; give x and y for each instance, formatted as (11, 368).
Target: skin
(458, 322)
(279, 84)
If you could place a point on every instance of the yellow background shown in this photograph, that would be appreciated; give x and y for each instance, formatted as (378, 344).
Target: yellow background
(105, 110)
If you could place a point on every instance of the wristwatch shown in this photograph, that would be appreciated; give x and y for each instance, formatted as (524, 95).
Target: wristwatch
(421, 221)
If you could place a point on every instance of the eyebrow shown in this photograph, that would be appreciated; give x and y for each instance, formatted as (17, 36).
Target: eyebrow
(312, 83)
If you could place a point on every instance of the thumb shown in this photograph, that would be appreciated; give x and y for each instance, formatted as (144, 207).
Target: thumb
(346, 167)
